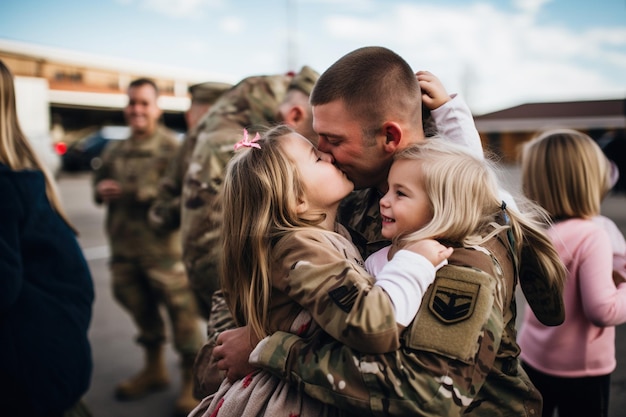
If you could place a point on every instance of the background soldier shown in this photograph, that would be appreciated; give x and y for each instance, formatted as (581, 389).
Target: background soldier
(146, 265)
(165, 211)
(254, 103)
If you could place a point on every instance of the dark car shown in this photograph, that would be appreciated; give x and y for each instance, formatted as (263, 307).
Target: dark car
(84, 154)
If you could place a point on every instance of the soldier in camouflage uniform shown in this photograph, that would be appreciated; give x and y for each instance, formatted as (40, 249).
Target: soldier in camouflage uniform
(165, 211)
(255, 103)
(449, 364)
(146, 265)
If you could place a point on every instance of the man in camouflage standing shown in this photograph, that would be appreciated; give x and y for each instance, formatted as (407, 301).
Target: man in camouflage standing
(165, 212)
(146, 265)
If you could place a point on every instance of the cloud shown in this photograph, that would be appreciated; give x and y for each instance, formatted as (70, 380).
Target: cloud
(496, 57)
(190, 9)
(231, 25)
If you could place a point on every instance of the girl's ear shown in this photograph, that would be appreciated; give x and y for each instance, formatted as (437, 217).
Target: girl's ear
(302, 206)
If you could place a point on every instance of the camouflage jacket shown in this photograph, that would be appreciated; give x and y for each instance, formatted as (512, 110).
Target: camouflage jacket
(458, 357)
(322, 273)
(253, 104)
(137, 166)
(164, 213)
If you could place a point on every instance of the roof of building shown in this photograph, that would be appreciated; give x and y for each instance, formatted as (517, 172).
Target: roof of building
(592, 114)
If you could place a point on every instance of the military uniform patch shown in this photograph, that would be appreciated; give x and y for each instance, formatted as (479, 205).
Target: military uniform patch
(344, 297)
(455, 309)
(452, 304)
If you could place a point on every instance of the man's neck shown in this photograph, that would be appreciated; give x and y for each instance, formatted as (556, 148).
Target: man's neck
(143, 135)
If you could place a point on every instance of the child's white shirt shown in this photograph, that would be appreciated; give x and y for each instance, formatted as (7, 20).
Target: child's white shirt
(405, 278)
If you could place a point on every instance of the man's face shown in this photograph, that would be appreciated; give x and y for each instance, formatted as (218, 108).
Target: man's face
(142, 112)
(341, 135)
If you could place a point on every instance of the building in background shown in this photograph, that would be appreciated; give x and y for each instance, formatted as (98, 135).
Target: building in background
(504, 131)
(88, 90)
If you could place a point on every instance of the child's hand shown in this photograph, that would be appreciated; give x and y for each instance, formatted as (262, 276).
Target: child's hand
(434, 94)
(432, 250)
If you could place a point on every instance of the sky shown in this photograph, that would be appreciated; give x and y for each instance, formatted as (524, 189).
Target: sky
(495, 53)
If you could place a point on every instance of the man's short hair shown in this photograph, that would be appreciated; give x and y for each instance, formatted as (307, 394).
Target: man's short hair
(372, 81)
(139, 82)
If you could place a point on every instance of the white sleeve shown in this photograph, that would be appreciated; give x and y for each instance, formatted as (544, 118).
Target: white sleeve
(376, 261)
(455, 122)
(405, 278)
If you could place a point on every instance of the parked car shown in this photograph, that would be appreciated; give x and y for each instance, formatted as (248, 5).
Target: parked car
(84, 154)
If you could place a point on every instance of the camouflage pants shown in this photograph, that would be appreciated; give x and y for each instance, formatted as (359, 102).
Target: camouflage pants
(141, 286)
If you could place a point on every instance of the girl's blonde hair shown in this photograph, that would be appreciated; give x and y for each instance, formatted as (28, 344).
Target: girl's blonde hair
(565, 172)
(260, 193)
(468, 210)
(15, 150)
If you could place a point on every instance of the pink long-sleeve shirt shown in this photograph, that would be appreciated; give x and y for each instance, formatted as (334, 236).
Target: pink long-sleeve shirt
(584, 345)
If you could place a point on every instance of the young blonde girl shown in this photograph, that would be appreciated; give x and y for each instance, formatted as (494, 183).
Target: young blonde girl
(566, 172)
(459, 355)
(287, 265)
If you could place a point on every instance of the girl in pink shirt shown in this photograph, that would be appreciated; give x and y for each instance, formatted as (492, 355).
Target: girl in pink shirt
(566, 172)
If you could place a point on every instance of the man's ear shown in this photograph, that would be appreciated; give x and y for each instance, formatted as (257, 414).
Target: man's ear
(393, 136)
(294, 115)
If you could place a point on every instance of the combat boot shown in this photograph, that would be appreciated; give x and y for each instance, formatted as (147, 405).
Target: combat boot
(153, 377)
(186, 401)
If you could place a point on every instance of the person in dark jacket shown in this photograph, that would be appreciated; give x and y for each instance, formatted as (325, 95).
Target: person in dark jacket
(46, 289)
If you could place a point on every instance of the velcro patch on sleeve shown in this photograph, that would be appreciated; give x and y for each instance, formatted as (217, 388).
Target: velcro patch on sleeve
(453, 314)
(344, 297)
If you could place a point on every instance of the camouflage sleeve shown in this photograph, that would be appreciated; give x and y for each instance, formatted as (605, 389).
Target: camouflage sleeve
(446, 356)
(164, 214)
(104, 171)
(336, 290)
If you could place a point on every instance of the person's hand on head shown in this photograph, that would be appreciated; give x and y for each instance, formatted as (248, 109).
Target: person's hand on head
(232, 351)
(108, 190)
(434, 94)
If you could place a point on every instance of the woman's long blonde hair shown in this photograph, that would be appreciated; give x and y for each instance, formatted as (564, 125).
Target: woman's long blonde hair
(467, 205)
(15, 150)
(259, 198)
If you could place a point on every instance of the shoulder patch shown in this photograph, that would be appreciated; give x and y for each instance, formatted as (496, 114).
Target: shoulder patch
(454, 313)
(453, 300)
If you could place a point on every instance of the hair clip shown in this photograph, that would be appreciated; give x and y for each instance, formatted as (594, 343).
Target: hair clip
(246, 142)
(506, 216)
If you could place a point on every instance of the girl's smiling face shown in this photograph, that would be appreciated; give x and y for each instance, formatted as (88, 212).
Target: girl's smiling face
(406, 206)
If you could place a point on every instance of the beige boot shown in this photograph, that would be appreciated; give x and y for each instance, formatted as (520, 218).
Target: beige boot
(186, 401)
(153, 377)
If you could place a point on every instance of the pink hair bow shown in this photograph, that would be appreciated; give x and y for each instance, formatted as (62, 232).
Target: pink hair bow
(247, 142)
